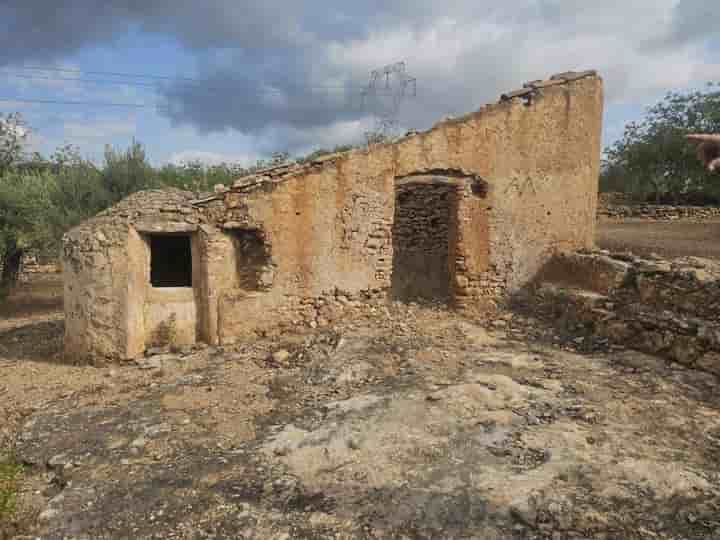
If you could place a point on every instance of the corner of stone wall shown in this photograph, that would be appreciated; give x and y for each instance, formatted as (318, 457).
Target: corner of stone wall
(92, 261)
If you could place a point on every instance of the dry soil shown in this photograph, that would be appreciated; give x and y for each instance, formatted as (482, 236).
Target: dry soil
(400, 422)
(668, 239)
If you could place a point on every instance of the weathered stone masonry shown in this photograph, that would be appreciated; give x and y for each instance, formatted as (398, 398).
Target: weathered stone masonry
(424, 216)
(486, 199)
(662, 307)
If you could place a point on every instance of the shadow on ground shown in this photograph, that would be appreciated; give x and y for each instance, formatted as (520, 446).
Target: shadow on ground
(40, 295)
(37, 341)
(412, 423)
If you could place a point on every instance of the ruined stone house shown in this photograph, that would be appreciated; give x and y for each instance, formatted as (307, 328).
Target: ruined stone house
(465, 213)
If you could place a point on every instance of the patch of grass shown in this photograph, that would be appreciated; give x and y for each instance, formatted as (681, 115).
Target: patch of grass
(10, 472)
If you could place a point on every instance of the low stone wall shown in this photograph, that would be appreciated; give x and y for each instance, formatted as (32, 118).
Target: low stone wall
(32, 265)
(668, 308)
(658, 212)
(614, 198)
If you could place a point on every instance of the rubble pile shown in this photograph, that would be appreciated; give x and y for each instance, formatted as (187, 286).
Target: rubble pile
(663, 307)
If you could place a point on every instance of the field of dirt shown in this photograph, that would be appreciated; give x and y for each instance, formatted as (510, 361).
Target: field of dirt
(400, 422)
(668, 239)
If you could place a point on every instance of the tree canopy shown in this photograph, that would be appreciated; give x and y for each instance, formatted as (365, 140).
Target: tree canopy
(13, 135)
(653, 157)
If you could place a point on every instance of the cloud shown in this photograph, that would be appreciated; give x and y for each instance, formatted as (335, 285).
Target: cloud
(43, 80)
(463, 58)
(289, 73)
(210, 158)
(691, 21)
(103, 129)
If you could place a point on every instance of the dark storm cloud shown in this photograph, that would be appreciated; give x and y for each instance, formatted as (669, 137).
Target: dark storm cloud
(42, 30)
(262, 63)
(254, 95)
(37, 30)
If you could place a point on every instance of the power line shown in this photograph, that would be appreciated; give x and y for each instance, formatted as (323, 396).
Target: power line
(154, 85)
(197, 91)
(9, 99)
(168, 78)
(76, 79)
(63, 102)
(110, 73)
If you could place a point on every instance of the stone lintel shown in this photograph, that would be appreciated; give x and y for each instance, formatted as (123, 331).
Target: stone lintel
(165, 227)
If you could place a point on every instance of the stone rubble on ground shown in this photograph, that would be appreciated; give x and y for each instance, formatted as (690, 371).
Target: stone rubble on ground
(663, 307)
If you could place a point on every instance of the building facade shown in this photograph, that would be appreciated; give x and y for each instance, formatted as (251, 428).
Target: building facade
(466, 213)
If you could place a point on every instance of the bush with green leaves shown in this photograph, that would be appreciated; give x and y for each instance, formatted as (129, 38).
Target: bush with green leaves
(13, 134)
(25, 208)
(10, 473)
(128, 171)
(653, 158)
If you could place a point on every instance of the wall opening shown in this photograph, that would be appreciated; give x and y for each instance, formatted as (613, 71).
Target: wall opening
(170, 260)
(252, 260)
(423, 239)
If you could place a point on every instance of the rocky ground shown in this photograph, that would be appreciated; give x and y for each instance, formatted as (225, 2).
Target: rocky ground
(401, 422)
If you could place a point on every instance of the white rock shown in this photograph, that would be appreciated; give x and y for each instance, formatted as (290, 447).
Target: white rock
(281, 356)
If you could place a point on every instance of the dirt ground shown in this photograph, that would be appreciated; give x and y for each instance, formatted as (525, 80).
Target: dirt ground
(400, 422)
(668, 239)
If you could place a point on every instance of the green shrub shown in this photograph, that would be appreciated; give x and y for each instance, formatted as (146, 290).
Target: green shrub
(10, 474)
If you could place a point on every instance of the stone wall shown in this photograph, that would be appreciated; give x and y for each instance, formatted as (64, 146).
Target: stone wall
(108, 299)
(614, 198)
(658, 212)
(527, 166)
(32, 265)
(281, 246)
(663, 307)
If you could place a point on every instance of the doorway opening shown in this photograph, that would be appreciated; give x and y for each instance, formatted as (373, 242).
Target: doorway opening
(424, 229)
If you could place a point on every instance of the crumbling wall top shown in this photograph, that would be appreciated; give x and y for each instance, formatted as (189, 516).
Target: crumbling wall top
(267, 178)
(170, 204)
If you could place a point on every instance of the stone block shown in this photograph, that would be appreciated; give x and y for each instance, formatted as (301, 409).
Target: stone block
(710, 362)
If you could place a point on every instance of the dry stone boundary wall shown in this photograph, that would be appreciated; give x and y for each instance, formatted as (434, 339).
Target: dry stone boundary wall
(659, 212)
(615, 205)
(670, 308)
(33, 265)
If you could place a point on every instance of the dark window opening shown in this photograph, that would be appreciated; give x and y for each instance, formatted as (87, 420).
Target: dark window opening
(252, 261)
(170, 261)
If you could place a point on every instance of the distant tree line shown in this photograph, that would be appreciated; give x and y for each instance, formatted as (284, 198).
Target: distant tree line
(653, 161)
(42, 197)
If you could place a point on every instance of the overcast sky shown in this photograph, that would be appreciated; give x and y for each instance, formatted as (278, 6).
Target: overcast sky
(277, 75)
